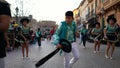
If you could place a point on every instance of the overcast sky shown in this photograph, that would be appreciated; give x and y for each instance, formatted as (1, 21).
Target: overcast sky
(46, 9)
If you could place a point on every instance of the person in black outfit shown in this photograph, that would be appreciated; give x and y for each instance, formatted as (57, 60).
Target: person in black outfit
(5, 16)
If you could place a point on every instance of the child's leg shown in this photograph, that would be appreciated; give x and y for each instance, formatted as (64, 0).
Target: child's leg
(26, 45)
(113, 49)
(23, 54)
(98, 46)
(95, 45)
(66, 60)
(107, 50)
(75, 52)
(84, 41)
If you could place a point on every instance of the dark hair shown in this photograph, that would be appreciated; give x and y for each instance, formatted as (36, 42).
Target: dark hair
(69, 13)
(38, 28)
(24, 19)
(84, 25)
(97, 23)
(5, 8)
(111, 18)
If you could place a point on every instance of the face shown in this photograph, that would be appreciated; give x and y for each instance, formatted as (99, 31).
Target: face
(68, 19)
(97, 26)
(111, 22)
(25, 23)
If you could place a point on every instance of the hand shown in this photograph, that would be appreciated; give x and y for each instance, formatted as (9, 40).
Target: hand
(8, 46)
(77, 34)
(96, 33)
(59, 46)
(105, 36)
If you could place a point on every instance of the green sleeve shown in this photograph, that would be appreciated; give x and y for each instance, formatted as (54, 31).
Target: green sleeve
(56, 35)
(75, 27)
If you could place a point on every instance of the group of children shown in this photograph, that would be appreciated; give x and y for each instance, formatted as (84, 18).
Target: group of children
(110, 34)
(67, 30)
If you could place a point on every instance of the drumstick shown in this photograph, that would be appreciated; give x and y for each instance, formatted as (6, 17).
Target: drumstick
(97, 36)
(46, 58)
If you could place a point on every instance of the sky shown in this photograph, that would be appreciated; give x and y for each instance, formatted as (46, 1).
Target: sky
(45, 9)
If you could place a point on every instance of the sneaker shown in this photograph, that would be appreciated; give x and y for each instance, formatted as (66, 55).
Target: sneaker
(84, 47)
(98, 51)
(94, 52)
(23, 58)
(106, 56)
(111, 58)
(27, 58)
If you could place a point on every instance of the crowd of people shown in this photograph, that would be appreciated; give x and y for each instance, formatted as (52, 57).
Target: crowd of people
(23, 36)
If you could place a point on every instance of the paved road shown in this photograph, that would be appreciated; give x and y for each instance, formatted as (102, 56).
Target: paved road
(87, 58)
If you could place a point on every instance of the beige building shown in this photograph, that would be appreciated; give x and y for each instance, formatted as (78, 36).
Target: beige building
(76, 13)
(92, 11)
(108, 8)
(43, 25)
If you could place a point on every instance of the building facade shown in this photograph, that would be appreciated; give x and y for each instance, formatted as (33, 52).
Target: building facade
(92, 11)
(108, 8)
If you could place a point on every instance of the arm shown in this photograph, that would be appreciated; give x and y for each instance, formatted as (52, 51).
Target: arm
(80, 26)
(93, 32)
(76, 32)
(7, 40)
(56, 35)
(5, 16)
(4, 22)
(105, 31)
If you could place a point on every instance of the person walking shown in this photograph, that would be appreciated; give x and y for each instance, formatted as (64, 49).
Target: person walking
(39, 36)
(84, 36)
(67, 30)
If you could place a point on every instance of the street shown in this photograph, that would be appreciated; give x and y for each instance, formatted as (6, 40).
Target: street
(87, 58)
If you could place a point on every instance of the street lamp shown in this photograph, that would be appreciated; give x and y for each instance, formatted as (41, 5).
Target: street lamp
(17, 10)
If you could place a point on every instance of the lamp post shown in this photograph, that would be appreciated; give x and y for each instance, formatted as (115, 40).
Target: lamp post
(17, 10)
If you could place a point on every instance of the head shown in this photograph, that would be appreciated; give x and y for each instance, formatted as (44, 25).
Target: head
(69, 17)
(97, 25)
(38, 29)
(24, 21)
(111, 21)
(84, 26)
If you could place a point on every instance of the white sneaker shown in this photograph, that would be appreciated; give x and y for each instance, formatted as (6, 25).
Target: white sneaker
(94, 52)
(84, 47)
(98, 51)
(111, 58)
(27, 58)
(23, 58)
(106, 56)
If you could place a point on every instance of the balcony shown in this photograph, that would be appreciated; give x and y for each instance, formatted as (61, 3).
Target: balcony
(109, 3)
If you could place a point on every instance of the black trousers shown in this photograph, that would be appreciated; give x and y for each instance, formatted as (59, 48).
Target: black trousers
(39, 41)
(84, 38)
